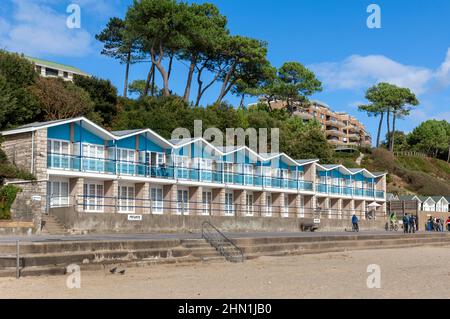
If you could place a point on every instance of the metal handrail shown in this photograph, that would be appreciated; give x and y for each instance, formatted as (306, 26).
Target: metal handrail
(218, 240)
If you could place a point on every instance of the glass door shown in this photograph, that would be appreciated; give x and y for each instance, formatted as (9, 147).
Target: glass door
(207, 202)
(229, 205)
(183, 202)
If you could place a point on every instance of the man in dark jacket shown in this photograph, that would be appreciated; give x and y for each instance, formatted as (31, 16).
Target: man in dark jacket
(405, 223)
(412, 224)
(355, 223)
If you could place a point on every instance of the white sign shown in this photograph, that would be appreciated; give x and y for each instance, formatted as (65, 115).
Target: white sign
(36, 198)
(135, 218)
(316, 221)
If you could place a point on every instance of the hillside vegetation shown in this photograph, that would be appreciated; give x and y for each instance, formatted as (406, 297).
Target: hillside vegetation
(409, 174)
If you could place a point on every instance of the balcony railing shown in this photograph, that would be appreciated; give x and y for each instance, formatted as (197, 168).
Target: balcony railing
(348, 191)
(125, 168)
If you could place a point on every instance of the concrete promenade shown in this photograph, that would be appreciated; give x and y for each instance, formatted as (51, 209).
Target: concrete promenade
(184, 236)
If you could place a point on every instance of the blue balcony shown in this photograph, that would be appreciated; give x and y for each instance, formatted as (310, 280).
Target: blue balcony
(348, 191)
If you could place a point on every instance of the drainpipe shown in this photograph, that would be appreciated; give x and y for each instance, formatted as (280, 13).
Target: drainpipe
(32, 152)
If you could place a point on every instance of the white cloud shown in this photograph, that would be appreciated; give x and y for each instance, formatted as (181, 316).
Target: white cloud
(36, 29)
(443, 72)
(363, 71)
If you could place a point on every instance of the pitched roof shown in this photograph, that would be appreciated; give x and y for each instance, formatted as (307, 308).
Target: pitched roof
(409, 197)
(55, 65)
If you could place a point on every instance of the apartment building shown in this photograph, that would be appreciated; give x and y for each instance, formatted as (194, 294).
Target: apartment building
(340, 128)
(80, 164)
(51, 69)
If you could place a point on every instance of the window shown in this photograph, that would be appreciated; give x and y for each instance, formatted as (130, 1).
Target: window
(59, 193)
(126, 199)
(156, 196)
(58, 154)
(229, 205)
(182, 164)
(51, 72)
(182, 202)
(93, 157)
(228, 172)
(249, 204)
(302, 207)
(269, 205)
(127, 158)
(93, 197)
(249, 172)
(285, 205)
(66, 75)
(207, 201)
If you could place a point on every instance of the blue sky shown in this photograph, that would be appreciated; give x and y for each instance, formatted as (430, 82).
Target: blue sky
(329, 36)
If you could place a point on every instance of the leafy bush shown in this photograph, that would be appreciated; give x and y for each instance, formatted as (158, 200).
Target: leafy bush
(8, 195)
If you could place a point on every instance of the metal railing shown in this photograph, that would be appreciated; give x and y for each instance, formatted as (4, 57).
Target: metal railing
(222, 243)
(96, 204)
(173, 172)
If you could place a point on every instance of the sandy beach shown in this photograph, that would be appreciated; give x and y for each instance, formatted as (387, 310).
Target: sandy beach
(421, 272)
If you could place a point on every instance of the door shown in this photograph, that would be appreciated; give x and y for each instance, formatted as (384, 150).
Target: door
(182, 202)
(285, 207)
(229, 205)
(207, 202)
(126, 199)
(249, 204)
(156, 197)
(269, 205)
(93, 197)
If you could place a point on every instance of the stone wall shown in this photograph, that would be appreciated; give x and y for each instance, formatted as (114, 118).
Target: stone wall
(20, 152)
(118, 223)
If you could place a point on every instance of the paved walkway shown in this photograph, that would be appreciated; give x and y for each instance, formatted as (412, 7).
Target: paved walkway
(121, 237)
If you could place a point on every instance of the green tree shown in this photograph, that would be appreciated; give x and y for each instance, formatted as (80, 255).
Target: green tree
(103, 94)
(120, 44)
(390, 99)
(244, 60)
(17, 75)
(161, 27)
(61, 100)
(205, 31)
(294, 84)
(430, 137)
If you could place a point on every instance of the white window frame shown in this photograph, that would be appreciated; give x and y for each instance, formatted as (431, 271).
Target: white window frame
(64, 157)
(206, 202)
(269, 205)
(183, 202)
(126, 203)
(60, 200)
(96, 203)
(249, 204)
(229, 206)
(157, 205)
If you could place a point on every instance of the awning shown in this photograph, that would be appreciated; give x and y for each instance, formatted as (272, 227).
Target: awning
(374, 204)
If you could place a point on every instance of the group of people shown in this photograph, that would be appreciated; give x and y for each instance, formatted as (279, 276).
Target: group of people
(410, 224)
(438, 224)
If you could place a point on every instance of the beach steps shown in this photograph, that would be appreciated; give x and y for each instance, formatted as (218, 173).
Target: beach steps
(49, 258)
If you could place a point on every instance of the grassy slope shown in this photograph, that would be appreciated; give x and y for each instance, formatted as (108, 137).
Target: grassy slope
(411, 175)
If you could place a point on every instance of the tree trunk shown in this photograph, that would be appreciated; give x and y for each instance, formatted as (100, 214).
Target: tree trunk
(153, 80)
(223, 90)
(160, 67)
(169, 72)
(127, 72)
(379, 129)
(200, 82)
(448, 156)
(388, 120)
(149, 78)
(391, 147)
(187, 90)
(242, 100)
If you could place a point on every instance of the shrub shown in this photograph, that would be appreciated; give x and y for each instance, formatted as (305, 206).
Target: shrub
(8, 195)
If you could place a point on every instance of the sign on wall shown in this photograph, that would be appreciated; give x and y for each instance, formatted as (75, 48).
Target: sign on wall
(135, 218)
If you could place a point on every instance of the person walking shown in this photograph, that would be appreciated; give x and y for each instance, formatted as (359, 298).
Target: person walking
(405, 223)
(355, 223)
(412, 224)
